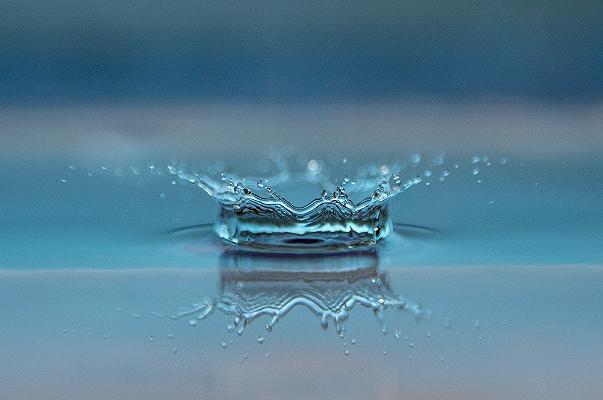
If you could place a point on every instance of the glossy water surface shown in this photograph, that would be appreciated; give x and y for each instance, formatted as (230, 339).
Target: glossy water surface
(113, 285)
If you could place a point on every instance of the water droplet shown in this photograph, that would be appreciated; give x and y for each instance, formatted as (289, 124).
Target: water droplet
(346, 352)
(267, 355)
(475, 171)
(162, 195)
(415, 158)
(170, 336)
(192, 322)
(224, 345)
(475, 159)
(313, 166)
(260, 339)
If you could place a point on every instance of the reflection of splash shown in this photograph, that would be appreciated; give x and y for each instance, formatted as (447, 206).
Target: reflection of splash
(253, 286)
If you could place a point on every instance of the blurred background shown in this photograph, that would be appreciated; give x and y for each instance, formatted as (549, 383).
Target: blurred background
(116, 51)
(514, 76)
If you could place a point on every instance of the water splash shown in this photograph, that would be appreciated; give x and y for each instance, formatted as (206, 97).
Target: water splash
(330, 286)
(350, 212)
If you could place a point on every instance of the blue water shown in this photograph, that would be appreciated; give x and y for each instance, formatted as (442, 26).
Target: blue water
(489, 288)
(547, 212)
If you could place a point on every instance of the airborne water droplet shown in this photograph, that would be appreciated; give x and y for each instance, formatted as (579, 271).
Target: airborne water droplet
(415, 158)
(313, 166)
